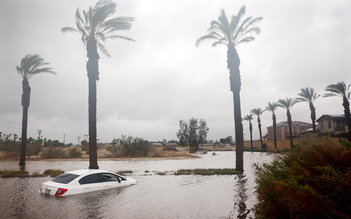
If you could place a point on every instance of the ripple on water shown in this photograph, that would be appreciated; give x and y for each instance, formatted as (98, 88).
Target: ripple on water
(155, 196)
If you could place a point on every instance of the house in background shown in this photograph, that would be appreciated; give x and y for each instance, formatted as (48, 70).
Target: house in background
(332, 123)
(282, 130)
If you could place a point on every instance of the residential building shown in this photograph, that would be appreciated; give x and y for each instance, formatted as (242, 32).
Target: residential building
(332, 123)
(282, 130)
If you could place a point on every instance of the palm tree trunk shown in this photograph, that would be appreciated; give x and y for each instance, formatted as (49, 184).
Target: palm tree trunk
(25, 104)
(93, 75)
(290, 128)
(251, 134)
(274, 130)
(313, 117)
(259, 129)
(233, 62)
(346, 105)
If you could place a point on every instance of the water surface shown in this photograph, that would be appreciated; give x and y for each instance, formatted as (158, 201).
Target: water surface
(155, 196)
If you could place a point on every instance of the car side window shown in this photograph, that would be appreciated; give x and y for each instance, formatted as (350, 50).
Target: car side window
(93, 178)
(108, 177)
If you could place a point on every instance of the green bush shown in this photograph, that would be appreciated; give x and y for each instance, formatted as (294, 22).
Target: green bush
(312, 180)
(53, 152)
(53, 173)
(115, 150)
(206, 172)
(11, 148)
(75, 152)
(34, 149)
(14, 173)
(134, 147)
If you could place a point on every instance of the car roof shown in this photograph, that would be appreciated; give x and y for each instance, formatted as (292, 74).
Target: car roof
(87, 171)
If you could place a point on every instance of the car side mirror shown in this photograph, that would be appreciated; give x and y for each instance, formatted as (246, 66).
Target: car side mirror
(119, 180)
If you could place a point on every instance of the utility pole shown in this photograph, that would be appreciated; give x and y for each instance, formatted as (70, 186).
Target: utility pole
(78, 140)
(64, 139)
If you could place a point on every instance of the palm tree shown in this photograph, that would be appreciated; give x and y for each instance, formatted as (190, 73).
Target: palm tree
(287, 104)
(342, 91)
(249, 118)
(232, 34)
(30, 65)
(273, 107)
(258, 112)
(95, 28)
(307, 94)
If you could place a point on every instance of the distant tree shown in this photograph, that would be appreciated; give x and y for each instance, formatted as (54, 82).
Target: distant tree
(273, 107)
(258, 112)
(183, 133)
(195, 132)
(56, 143)
(30, 65)
(308, 95)
(287, 104)
(249, 118)
(95, 28)
(341, 90)
(231, 34)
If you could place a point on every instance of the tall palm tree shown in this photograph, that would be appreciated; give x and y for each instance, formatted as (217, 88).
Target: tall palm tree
(287, 104)
(308, 95)
(341, 90)
(258, 112)
(30, 65)
(96, 27)
(249, 118)
(231, 34)
(273, 107)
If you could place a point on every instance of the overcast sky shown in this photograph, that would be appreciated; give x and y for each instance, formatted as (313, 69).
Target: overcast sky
(147, 86)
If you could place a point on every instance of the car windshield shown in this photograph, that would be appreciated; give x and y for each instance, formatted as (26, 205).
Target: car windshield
(65, 178)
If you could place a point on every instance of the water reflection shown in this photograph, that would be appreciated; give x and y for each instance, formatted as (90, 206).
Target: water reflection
(19, 198)
(239, 209)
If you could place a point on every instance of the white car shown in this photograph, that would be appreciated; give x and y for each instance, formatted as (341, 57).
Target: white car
(85, 180)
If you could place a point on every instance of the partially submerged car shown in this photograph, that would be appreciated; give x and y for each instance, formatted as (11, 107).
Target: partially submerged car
(85, 180)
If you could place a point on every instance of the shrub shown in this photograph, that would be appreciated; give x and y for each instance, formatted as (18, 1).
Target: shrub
(309, 181)
(125, 172)
(115, 150)
(11, 148)
(75, 152)
(34, 149)
(53, 173)
(134, 147)
(14, 173)
(53, 152)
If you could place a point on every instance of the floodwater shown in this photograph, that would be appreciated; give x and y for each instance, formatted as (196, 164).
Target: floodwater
(156, 196)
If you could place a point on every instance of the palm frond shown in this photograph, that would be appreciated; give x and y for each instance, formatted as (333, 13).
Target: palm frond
(257, 111)
(272, 106)
(338, 89)
(102, 48)
(206, 37)
(30, 65)
(248, 117)
(307, 94)
(288, 103)
(120, 37)
(68, 29)
(94, 24)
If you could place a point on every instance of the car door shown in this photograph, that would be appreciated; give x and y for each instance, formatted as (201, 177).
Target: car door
(111, 180)
(92, 182)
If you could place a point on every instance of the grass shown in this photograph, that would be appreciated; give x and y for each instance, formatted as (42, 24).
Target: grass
(23, 174)
(124, 172)
(206, 172)
(255, 150)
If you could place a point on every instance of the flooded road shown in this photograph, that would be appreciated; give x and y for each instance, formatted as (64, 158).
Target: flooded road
(156, 196)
